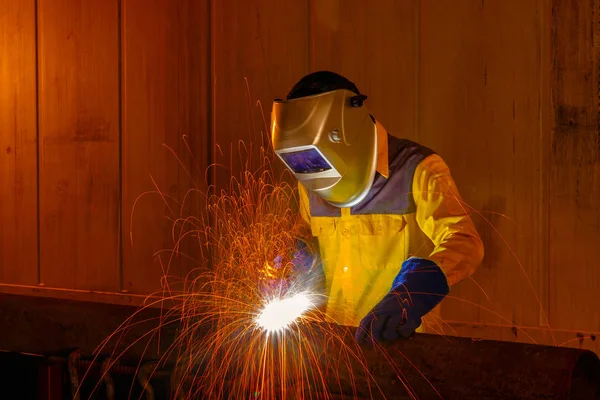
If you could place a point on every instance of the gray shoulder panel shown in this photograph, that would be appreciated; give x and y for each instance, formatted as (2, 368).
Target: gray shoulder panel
(387, 196)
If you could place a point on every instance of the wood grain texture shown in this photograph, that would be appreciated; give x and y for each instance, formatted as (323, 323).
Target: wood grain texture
(165, 50)
(18, 144)
(375, 45)
(467, 78)
(79, 141)
(259, 50)
(194, 122)
(480, 94)
(528, 334)
(575, 166)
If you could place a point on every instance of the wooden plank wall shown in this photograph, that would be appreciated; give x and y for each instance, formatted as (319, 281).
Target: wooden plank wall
(574, 175)
(480, 109)
(78, 50)
(18, 149)
(375, 46)
(259, 49)
(94, 94)
(481, 67)
(102, 99)
(165, 70)
(508, 94)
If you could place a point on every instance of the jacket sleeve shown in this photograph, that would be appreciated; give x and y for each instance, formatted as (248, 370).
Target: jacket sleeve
(445, 219)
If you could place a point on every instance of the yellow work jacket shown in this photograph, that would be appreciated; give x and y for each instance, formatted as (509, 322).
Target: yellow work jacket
(412, 209)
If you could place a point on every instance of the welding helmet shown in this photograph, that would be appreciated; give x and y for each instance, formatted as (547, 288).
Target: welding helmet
(324, 134)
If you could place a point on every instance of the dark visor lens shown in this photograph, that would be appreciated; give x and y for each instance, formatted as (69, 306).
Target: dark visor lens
(305, 161)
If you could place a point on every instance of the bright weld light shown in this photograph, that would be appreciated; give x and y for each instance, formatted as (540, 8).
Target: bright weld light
(278, 314)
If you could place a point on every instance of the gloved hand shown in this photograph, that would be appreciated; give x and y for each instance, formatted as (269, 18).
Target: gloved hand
(417, 289)
(302, 261)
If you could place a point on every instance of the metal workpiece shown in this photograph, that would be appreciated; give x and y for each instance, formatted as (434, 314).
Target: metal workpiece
(425, 366)
(428, 366)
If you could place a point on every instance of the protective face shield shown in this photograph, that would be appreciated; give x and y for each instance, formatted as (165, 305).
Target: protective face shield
(329, 142)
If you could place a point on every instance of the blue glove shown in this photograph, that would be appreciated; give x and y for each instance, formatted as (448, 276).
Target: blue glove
(417, 289)
(302, 261)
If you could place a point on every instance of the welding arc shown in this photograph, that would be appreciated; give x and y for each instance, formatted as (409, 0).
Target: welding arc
(278, 314)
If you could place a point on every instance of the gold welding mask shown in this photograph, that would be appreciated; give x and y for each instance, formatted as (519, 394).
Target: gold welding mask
(329, 141)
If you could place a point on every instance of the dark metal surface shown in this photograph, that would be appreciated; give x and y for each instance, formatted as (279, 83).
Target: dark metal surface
(48, 326)
(431, 366)
(65, 336)
(443, 367)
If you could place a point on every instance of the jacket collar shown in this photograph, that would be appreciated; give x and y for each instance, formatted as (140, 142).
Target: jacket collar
(382, 150)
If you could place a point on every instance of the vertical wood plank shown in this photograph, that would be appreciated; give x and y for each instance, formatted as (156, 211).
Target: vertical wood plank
(79, 134)
(543, 210)
(375, 45)
(18, 144)
(480, 110)
(575, 173)
(165, 83)
(194, 121)
(260, 49)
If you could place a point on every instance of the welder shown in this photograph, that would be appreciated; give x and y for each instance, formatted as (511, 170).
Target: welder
(393, 233)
